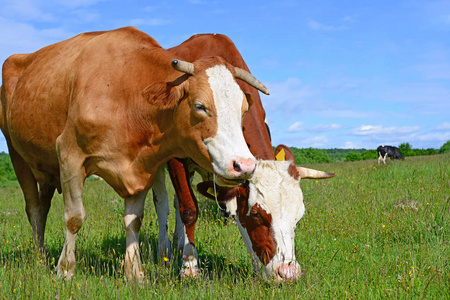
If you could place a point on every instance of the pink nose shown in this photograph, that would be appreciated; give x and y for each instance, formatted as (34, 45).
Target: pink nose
(289, 272)
(242, 168)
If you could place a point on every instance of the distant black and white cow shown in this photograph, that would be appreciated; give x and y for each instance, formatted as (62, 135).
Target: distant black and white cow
(388, 151)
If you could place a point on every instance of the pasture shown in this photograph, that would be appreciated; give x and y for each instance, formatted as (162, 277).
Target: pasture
(372, 232)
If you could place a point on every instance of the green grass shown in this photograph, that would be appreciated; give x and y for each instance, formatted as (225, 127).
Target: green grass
(372, 232)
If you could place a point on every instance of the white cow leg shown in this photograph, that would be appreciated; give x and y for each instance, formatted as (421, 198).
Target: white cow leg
(384, 158)
(379, 157)
(161, 201)
(134, 213)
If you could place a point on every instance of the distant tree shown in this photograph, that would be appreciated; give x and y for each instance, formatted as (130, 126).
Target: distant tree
(369, 154)
(310, 155)
(445, 148)
(405, 149)
(6, 168)
(352, 156)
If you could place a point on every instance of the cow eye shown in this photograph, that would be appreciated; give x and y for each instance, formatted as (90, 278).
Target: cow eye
(199, 107)
(255, 214)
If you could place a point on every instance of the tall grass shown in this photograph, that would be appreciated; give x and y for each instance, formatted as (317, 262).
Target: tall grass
(372, 232)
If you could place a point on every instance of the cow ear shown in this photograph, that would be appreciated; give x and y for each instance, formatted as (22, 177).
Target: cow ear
(283, 153)
(166, 94)
(219, 193)
(249, 99)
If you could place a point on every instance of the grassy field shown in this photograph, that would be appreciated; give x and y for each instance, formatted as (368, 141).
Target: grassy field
(372, 232)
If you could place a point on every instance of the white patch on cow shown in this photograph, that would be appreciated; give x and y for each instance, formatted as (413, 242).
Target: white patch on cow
(279, 194)
(228, 144)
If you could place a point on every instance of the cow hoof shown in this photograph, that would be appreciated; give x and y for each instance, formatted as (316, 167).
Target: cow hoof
(189, 272)
(64, 274)
(137, 278)
(190, 268)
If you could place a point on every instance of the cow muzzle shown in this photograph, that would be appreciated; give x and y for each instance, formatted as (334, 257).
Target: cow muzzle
(288, 272)
(242, 168)
(239, 170)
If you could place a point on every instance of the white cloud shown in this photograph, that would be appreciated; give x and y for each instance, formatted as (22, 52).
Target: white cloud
(352, 145)
(325, 127)
(378, 129)
(26, 10)
(444, 126)
(79, 3)
(315, 142)
(296, 127)
(314, 25)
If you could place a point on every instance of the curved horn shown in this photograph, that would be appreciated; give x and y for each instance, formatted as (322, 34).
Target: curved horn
(183, 66)
(250, 79)
(314, 174)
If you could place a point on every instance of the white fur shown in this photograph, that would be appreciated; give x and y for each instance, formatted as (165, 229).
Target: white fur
(279, 194)
(228, 144)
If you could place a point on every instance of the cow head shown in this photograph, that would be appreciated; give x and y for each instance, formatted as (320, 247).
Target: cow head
(208, 110)
(269, 208)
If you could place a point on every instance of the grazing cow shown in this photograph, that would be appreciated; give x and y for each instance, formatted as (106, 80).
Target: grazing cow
(269, 205)
(118, 105)
(388, 151)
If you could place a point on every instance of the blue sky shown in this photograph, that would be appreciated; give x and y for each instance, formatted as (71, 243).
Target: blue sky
(342, 74)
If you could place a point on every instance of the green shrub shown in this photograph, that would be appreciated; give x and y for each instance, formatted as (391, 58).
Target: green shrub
(445, 148)
(369, 154)
(352, 156)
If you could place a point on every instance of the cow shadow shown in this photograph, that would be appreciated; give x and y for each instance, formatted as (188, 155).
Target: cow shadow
(107, 259)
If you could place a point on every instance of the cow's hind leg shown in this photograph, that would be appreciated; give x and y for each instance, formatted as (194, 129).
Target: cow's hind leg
(72, 179)
(37, 204)
(161, 201)
(134, 213)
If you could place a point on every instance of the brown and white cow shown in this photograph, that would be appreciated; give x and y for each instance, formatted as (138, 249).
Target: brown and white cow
(266, 220)
(116, 104)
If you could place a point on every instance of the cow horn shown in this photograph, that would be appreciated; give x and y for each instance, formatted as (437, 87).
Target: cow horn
(314, 174)
(183, 66)
(250, 79)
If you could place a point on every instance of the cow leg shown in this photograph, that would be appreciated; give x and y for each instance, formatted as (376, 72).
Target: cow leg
(379, 157)
(161, 202)
(72, 179)
(179, 235)
(188, 213)
(384, 158)
(37, 204)
(134, 213)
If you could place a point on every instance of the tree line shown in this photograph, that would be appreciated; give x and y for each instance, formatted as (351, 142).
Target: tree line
(302, 156)
(314, 155)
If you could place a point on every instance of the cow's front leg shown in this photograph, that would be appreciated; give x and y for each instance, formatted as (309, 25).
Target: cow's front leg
(185, 239)
(134, 213)
(161, 201)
